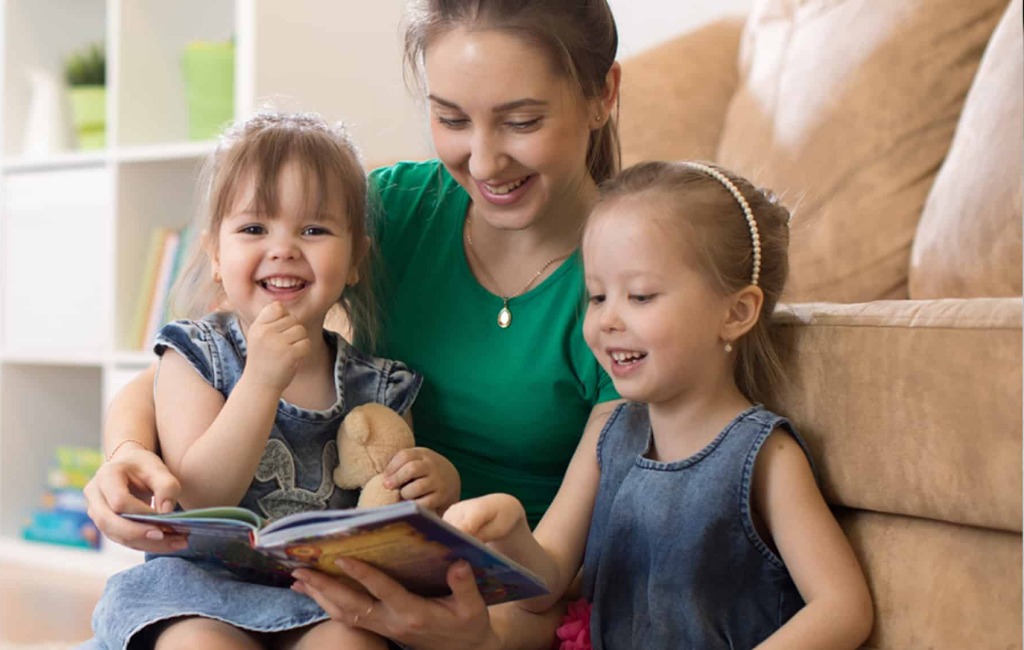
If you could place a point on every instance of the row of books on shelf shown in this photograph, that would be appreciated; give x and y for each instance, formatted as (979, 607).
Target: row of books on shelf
(61, 516)
(165, 260)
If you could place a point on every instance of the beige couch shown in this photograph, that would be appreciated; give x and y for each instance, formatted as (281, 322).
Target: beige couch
(894, 130)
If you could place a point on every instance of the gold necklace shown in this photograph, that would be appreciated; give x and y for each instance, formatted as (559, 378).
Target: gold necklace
(505, 315)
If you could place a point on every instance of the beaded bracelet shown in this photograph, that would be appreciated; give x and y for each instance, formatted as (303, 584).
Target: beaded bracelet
(123, 443)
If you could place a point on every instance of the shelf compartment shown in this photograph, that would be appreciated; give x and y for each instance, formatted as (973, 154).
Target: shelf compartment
(41, 408)
(153, 195)
(40, 35)
(57, 253)
(151, 105)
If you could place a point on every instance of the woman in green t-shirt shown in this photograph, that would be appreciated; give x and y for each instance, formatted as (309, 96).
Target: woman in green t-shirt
(481, 291)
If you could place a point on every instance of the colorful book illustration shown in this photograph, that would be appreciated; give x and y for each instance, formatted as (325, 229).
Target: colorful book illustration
(410, 543)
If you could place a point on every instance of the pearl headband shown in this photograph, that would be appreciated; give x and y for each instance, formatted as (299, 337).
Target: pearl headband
(755, 237)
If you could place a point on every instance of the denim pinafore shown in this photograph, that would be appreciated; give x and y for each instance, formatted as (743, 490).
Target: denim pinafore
(673, 559)
(294, 474)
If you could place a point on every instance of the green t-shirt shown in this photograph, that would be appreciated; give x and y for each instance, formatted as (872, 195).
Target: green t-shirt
(506, 406)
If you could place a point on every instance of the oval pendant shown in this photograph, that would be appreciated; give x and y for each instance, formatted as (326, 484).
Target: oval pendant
(504, 318)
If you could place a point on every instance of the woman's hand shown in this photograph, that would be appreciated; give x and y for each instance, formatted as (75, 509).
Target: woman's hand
(424, 476)
(456, 621)
(126, 483)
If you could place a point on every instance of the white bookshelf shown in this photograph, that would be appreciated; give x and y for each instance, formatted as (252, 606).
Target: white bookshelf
(75, 225)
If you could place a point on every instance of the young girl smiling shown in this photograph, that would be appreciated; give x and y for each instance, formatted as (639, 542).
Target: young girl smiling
(695, 513)
(249, 397)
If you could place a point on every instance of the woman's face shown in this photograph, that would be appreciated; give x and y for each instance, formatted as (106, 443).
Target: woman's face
(511, 130)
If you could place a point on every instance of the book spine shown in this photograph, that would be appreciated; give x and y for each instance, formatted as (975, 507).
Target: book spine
(144, 297)
(162, 287)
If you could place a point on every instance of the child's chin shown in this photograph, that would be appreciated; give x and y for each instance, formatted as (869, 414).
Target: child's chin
(630, 395)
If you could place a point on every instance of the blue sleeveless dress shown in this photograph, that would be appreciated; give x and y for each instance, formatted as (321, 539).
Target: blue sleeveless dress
(294, 475)
(673, 559)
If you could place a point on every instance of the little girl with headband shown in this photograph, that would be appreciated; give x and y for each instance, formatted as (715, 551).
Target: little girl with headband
(695, 512)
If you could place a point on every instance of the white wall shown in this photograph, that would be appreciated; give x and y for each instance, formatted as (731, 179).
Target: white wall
(644, 23)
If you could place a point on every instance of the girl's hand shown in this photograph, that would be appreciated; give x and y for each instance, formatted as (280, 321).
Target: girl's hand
(425, 476)
(125, 484)
(456, 621)
(277, 344)
(490, 518)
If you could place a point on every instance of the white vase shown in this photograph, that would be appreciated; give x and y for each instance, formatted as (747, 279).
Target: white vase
(47, 124)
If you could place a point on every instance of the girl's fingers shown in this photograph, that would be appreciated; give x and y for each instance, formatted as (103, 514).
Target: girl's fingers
(272, 312)
(410, 471)
(399, 460)
(417, 489)
(294, 333)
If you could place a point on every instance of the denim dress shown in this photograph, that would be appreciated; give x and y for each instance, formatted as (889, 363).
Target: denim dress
(672, 557)
(294, 475)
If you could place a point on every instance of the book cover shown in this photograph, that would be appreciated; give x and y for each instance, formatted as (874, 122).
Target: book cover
(409, 543)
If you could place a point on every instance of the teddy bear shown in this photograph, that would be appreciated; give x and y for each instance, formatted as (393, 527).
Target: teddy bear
(368, 438)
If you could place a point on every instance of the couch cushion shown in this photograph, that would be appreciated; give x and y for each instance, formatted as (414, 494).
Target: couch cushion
(911, 407)
(846, 108)
(675, 96)
(969, 240)
(938, 585)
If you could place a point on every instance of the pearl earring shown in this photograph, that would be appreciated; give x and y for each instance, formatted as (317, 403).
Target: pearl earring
(728, 347)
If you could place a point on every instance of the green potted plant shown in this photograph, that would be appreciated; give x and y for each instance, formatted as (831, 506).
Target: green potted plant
(85, 72)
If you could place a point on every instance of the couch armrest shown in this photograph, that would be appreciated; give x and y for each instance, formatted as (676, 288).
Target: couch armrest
(675, 96)
(911, 407)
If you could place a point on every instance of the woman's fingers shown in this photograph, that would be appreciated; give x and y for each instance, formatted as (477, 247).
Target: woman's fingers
(153, 474)
(456, 621)
(124, 486)
(465, 592)
(326, 603)
(141, 537)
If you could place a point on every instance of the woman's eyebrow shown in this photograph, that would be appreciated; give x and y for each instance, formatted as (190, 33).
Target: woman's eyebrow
(501, 108)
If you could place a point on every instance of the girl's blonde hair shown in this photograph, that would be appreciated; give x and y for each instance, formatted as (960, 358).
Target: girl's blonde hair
(256, 151)
(580, 38)
(721, 240)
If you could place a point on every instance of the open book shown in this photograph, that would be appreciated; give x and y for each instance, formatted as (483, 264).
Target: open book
(410, 543)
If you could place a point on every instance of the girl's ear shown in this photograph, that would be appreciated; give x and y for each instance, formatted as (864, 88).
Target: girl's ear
(360, 249)
(211, 252)
(744, 310)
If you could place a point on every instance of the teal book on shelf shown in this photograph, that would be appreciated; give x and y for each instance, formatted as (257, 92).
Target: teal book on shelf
(61, 517)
